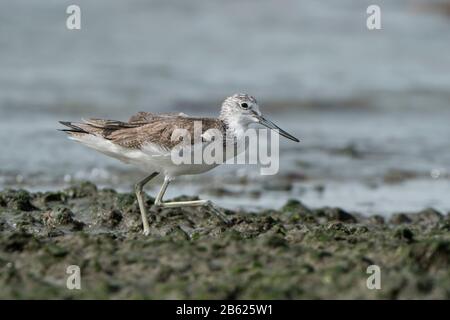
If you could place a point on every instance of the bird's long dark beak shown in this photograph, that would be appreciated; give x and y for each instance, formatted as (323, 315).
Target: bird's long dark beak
(269, 124)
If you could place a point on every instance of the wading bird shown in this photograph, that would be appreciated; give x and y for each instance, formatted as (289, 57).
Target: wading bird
(146, 141)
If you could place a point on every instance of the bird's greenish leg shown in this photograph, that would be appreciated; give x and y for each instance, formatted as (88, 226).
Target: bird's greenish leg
(193, 203)
(140, 197)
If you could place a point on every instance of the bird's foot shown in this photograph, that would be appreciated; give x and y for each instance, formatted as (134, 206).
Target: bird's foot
(218, 212)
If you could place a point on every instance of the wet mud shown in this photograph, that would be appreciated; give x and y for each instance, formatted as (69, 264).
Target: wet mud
(295, 252)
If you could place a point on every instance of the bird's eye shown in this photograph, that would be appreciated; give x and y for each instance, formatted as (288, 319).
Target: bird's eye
(244, 105)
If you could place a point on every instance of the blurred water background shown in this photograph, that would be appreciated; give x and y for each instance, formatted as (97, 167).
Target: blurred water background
(371, 107)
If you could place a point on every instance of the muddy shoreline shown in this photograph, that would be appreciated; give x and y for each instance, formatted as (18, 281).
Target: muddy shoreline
(292, 253)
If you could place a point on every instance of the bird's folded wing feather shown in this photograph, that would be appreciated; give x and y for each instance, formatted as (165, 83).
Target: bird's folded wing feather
(146, 117)
(160, 131)
(146, 128)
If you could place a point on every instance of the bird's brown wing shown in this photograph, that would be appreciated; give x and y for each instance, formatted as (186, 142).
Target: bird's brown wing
(146, 117)
(141, 117)
(145, 128)
(159, 131)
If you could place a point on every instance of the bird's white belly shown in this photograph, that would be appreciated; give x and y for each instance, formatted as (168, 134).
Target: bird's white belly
(166, 165)
(150, 158)
(173, 166)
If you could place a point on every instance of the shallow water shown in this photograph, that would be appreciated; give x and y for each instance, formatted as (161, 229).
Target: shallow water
(366, 105)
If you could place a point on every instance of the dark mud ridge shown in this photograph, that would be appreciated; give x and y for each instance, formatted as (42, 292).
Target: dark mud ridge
(295, 252)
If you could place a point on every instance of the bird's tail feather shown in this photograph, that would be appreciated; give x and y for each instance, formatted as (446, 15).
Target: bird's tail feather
(73, 127)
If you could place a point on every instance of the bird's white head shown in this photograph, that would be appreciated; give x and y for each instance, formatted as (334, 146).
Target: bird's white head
(241, 110)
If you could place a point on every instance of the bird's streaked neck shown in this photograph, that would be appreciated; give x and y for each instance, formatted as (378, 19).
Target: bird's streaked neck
(235, 125)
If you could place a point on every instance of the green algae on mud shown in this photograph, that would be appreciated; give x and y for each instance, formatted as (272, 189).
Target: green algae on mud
(292, 253)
